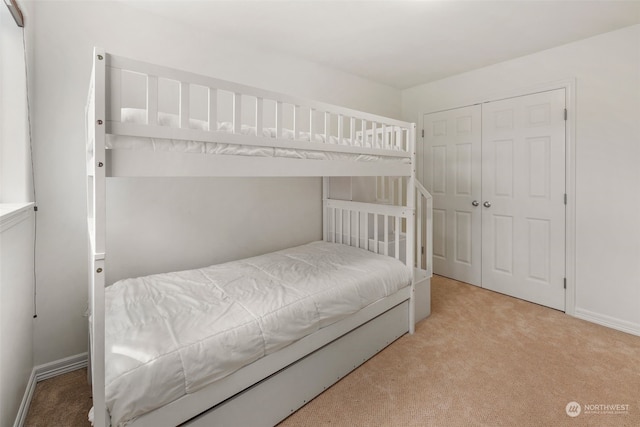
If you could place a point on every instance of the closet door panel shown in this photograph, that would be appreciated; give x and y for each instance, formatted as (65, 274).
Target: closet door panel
(523, 186)
(452, 174)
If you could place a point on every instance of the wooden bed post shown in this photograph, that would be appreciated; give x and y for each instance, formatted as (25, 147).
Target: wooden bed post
(96, 122)
(411, 221)
(325, 220)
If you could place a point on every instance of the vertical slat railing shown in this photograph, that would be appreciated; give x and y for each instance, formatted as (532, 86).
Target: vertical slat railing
(278, 119)
(358, 231)
(418, 248)
(375, 233)
(366, 230)
(385, 138)
(114, 92)
(312, 125)
(212, 113)
(152, 100)
(340, 215)
(296, 118)
(259, 116)
(237, 112)
(352, 131)
(340, 128)
(364, 132)
(184, 105)
(325, 195)
(349, 240)
(327, 127)
(386, 235)
(425, 197)
(374, 140)
(397, 238)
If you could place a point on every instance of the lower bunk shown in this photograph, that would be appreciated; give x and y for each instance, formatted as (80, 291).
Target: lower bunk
(248, 342)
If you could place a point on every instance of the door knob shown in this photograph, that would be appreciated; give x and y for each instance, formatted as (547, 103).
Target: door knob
(475, 203)
(487, 204)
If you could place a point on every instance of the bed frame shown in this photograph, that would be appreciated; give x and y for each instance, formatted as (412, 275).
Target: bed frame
(401, 230)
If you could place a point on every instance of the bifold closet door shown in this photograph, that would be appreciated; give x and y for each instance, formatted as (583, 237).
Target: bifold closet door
(523, 206)
(452, 173)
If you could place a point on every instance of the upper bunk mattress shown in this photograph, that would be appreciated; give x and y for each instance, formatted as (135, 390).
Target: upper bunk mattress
(171, 334)
(132, 115)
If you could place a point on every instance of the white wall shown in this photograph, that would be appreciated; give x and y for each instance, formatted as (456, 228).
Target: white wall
(16, 310)
(16, 219)
(214, 219)
(607, 72)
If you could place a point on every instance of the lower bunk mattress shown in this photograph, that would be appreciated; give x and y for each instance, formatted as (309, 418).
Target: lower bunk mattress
(171, 334)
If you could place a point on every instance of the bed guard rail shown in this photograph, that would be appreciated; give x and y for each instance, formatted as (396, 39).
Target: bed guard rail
(147, 100)
(424, 229)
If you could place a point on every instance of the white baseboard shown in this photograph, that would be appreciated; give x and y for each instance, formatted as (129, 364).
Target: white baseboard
(608, 321)
(21, 417)
(59, 367)
(43, 372)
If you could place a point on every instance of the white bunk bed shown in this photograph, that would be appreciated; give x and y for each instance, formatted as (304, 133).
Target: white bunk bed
(280, 136)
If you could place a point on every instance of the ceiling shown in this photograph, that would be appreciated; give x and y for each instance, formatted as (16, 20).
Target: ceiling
(401, 43)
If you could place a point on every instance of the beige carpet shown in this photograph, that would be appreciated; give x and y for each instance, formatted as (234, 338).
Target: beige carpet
(62, 401)
(480, 359)
(484, 359)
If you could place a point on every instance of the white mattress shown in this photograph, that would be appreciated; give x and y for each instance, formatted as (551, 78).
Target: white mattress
(171, 334)
(132, 115)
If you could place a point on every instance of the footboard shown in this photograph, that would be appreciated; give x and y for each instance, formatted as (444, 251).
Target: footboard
(379, 228)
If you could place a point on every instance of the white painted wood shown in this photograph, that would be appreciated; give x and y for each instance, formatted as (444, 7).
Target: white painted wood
(302, 381)
(336, 212)
(397, 238)
(237, 112)
(372, 133)
(60, 367)
(608, 321)
(348, 235)
(312, 121)
(386, 235)
(212, 113)
(376, 236)
(385, 137)
(184, 105)
(366, 230)
(96, 265)
(325, 209)
(352, 129)
(259, 116)
(426, 218)
(523, 179)
(152, 100)
(452, 174)
(179, 75)
(114, 94)
(327, 127)
(123, 163)
(279, 119)
(296, 125)
(166, 132)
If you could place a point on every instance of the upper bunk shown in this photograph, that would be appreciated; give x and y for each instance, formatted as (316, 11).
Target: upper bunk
(147, 120)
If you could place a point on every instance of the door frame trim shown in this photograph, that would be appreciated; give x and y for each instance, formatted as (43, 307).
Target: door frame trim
(569, 85)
